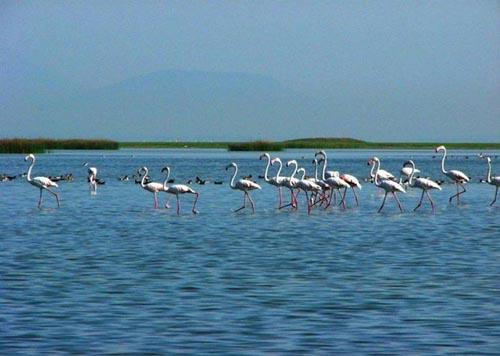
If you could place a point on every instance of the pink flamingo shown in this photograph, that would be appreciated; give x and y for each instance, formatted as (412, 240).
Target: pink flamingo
(333, 181)
(458, 177)
(388, 185)
(307, 185)
(43, 183)
(495, 181)
(275, 181)
(244, 185)
(152, 187)
(421, 183)
(177, 189)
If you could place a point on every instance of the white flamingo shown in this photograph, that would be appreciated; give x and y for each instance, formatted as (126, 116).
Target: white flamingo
(495, 181)
(334, 181)
(177, 189)
(43, 183)
(388, 185)
(152, 187)
(291, 183)
(382, 174)
(244, 185)
(307, 185)
(92, 178)
(458, 177)
(421, 183)
(405, 173)
(276, 181)
(353, 183)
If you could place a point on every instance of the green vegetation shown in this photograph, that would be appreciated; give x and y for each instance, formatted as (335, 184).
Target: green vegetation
(183, 144)
(17, 145)
(310, 143)
(256, 146)
(20, 145)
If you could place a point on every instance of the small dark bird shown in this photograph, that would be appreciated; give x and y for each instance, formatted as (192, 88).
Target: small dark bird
(261, 177)
(200, 181)
(190, 181)
(218, 182)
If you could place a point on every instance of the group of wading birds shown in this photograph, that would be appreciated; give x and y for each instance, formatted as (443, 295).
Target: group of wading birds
(319, 192)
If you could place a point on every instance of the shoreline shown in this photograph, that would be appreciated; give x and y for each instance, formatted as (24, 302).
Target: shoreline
(313, 145)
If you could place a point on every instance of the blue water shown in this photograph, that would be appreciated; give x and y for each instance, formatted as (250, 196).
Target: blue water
(110, 274)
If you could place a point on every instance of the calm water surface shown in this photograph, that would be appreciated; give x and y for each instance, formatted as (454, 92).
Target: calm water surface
(110, 274)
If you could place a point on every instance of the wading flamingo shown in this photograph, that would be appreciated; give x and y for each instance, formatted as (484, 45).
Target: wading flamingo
(152, 187)
(177, 189)
(307, 185)
(353, 183)
(244, 185)
(421, 183)
(92, 178)
(382, 174)
(388, 185)
(495, 181)
(333, 181)
(458, 177)
(43, 183)
(291, 183)
(275, 181)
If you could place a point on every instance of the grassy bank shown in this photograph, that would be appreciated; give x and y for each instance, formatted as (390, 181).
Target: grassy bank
(309, 143)
(20, 145)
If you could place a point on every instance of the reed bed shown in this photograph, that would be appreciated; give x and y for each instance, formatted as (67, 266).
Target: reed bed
(20, 145)
(256, 146)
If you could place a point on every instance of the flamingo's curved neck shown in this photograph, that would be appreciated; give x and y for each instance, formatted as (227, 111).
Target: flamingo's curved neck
(294, 170)
(279, 169)
(371, 172)
(488, 177)
(377, 162)
(442, 161)
(410, 180)
(324, 166)
(165, 187)
(143, 180)
(266, 178)
(234, 176)
(28, 176)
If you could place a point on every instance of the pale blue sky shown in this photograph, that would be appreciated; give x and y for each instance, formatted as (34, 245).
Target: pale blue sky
(375, 70)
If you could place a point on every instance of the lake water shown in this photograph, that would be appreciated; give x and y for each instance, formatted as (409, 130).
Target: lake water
(110, 274)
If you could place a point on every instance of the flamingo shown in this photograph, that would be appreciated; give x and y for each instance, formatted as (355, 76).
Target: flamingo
(458, 177)
(322, 184)
(244, 185)
(92, 171)
(422, 183)
(152, 187)
(353, 183)
(43, 183)
(383, 174)
(334, 181)
(492, 180)
(405, 173)
(388, 185)
(307, 185)
(291, 183)
(275, 181)
(177, 189)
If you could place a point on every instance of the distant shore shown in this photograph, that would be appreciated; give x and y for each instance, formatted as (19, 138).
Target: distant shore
(42, 145)
(313, 143)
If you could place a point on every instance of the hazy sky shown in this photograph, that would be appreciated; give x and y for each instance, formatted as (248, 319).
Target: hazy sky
(377, 70)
